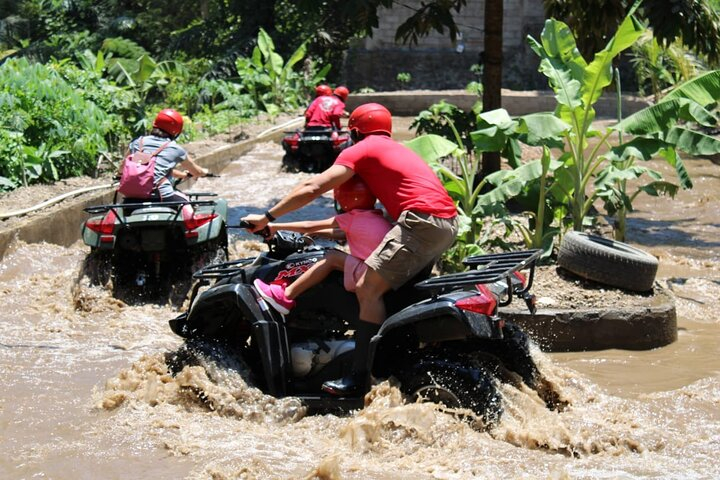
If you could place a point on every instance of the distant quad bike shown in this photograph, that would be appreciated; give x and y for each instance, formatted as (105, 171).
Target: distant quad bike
(443, 339)
(152, 247)
(313, 150)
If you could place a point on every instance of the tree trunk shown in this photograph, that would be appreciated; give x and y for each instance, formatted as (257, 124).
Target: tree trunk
(492, 72)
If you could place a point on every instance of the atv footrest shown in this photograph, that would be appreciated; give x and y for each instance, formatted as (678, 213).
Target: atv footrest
(331, 402)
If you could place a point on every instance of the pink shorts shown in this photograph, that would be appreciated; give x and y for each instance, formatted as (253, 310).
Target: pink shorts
(354, 269)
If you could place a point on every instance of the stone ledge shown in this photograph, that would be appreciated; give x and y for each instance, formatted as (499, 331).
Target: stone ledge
(515, 102)
(635, 327)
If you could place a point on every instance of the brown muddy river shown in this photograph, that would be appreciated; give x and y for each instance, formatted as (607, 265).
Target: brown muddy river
(86, 394)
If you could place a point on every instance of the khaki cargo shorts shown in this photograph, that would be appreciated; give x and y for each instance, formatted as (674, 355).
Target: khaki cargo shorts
(416, 240)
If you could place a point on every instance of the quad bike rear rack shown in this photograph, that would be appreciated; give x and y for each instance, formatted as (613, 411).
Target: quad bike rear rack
(135, 206)
(486, 269)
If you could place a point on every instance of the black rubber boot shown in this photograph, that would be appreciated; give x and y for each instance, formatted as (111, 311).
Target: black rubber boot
(354, 383)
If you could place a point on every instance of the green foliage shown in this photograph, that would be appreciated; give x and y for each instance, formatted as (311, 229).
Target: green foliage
(480, 205)
(658, 68)
(273, 83)
(586, 174)
(578, 85)
(51, 130)
(445, 119)
(695, 23)
(404, 79)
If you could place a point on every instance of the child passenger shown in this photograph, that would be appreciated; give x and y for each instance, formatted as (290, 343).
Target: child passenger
(363, 226)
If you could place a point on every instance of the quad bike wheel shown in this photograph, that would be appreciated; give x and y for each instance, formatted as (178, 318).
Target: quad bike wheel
(212, 356)
(454, 384)
(290, 163)
(609, 262)
(97, 265)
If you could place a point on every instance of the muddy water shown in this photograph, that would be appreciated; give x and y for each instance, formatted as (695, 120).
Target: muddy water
(86, 393)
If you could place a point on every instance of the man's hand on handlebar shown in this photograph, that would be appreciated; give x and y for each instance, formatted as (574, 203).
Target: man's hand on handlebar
(256, 223)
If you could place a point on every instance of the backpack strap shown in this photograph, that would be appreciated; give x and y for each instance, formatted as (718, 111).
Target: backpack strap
(156, 152)
(162, 147)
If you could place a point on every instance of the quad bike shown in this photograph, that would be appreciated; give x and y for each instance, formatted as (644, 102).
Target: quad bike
(154, 246)
(313, 150)
(443, 339)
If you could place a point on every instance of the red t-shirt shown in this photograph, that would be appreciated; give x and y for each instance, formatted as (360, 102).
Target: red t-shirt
(398, 177)
(324, 111)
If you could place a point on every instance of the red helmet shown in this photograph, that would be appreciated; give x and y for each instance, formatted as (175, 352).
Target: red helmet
(322, 90)
(169, 121)
(342, 92)
(371, 118)
(354, 194)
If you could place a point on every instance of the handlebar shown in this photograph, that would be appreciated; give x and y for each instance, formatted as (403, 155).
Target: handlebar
(265, 232)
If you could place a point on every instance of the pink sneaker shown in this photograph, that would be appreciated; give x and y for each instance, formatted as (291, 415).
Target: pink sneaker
(275, 295)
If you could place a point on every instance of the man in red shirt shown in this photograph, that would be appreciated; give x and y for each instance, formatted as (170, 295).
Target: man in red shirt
(425, 216)
(324, 112)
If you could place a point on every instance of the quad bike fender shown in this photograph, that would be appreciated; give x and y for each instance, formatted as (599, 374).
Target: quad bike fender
(231, 313)
(441, 319)
(205, 233)
(215, 228)
(430, 322)
(93, 239)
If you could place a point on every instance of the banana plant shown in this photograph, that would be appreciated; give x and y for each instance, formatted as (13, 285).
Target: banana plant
(663, 129)
(480, 205)
(594, 167)
(577, 86)
(273, 82)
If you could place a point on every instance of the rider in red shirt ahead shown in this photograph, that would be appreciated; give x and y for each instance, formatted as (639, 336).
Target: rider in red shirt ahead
(325, 111)
(425, 215)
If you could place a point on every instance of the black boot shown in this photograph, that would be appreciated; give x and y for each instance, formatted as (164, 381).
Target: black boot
(354, 383)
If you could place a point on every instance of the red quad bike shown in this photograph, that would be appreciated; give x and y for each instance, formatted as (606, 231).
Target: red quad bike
(313, 150)
(150, 248)
(443, 339)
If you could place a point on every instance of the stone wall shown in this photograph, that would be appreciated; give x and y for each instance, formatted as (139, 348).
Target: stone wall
(438, 63)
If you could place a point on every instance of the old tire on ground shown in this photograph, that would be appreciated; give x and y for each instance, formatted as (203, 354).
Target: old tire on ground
(455, 385)
(610, 262)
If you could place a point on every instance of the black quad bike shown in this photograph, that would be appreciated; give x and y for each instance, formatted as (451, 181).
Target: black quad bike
(313, 150)
(152, 247)
(443, 340)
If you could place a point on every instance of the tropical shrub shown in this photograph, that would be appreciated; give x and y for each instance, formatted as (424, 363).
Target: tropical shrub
(659, 68)
(446, 119)
(481, 205)
(593, 169)
(61, 132)
(273, 83)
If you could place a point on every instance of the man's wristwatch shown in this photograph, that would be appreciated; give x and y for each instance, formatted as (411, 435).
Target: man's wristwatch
(269, 216)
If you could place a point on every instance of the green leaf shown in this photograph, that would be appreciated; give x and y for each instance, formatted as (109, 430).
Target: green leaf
(297, 56)
(703, 89)
(598, 73)
(265, 43)
(275, 64)
(674, 160)
(655, 118)
(693, 142)
(431, 147)
(659, 188)
(145, 68)
(509, 184)
(542, 129)
(638, 147)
